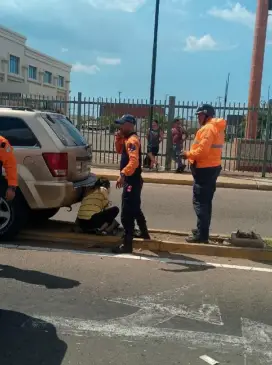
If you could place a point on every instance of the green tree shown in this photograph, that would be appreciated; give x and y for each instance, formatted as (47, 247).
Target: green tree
(261, 128)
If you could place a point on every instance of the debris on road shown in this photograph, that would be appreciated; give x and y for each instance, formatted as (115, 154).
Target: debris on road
(244, 239)
(209, 360)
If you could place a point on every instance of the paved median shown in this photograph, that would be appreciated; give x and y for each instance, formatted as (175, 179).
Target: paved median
(246, 183)
(62, 235)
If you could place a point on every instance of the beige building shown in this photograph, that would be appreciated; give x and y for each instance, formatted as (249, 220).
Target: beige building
(25, 71)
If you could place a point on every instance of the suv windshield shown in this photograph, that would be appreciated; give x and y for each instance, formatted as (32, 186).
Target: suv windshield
(64, 129)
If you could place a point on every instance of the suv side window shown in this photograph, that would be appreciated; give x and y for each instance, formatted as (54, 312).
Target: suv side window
(16, 131)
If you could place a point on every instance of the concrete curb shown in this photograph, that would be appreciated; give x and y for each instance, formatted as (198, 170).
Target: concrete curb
(220, 184)
(70, 240)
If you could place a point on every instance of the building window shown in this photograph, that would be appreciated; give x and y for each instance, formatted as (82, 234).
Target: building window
(47, 77)
(32, 72)
(60, 81)
(14, 65)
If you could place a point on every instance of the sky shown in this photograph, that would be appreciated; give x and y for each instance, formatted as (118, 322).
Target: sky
(109, 45)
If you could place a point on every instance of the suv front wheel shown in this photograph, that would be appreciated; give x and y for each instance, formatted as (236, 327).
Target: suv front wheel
(13, 217)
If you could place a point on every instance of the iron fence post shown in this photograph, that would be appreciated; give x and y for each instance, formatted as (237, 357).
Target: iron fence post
(266, 145)
(169, 144)
(79, 102)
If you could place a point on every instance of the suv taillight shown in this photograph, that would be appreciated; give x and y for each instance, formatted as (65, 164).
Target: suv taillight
(57, 163)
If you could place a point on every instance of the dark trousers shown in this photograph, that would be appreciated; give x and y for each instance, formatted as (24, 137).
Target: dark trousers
(3, 186)
(131, 207)
(203, 191)
(97, 220)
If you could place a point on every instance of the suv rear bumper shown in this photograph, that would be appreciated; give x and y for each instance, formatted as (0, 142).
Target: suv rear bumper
(56, 194)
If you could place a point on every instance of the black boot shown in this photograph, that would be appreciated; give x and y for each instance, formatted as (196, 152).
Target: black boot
(195, 232)
(196, 239)
(144, 234)
(181, 169)
(125, 247)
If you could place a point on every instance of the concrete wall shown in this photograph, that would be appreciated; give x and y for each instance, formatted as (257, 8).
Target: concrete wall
(12, 43)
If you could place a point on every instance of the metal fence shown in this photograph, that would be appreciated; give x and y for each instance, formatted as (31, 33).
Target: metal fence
(95, 119)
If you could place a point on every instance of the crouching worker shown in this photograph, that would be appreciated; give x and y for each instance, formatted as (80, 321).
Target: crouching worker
(95, 214)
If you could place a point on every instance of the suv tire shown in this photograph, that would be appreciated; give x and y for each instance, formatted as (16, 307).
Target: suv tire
(42, 215)
(13, 217)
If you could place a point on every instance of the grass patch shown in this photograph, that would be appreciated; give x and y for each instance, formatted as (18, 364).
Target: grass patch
(269, 242)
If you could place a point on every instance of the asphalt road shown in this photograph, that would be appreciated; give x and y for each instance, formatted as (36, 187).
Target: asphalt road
(65, 308)
(170, 207)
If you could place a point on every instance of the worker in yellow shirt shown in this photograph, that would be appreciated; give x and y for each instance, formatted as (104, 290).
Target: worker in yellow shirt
(95, 213)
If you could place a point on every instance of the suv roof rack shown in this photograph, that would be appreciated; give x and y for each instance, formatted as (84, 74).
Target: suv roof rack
(22, 108)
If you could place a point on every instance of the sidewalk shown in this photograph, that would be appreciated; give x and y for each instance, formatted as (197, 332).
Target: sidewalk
(170, 178)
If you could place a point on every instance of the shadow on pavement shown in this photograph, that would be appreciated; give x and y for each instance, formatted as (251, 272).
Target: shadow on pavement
(263, 262)
(189, 264)
(29, 341)
(36, 278)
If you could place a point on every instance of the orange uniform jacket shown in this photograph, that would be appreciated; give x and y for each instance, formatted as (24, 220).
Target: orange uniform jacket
(206, 150)
(132, 145)
(8, 161)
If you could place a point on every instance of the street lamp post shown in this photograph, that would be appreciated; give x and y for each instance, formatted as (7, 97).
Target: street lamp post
(226, 95)
(154, 62)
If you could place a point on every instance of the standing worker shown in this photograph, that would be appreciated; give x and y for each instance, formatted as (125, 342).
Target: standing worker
(179, 136)
(128, 144)
(9, 183)
(154, 138)
(205, 158)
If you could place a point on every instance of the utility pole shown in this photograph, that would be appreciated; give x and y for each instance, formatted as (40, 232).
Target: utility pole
(226, 95)
(119, 93)
(154, 62)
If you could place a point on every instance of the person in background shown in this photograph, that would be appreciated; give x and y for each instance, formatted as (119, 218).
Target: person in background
(205, 159)
(95, 213)
(179, 135)
(154, 138)
(128, 144)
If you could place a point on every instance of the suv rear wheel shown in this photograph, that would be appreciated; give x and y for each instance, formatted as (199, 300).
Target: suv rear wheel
(13, 217)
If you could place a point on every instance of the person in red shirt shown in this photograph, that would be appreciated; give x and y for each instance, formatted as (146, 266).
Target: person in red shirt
(179, 135)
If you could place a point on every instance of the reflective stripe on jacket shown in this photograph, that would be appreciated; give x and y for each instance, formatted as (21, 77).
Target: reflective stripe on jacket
(206, 150)
(94, 202)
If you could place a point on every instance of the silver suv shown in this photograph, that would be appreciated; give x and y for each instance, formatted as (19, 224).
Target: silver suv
(54, 165)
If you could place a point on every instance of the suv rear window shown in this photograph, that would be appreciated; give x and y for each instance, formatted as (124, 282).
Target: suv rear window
(17, 132)
(64, 130)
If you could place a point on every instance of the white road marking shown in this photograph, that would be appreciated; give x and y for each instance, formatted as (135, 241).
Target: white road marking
(161, 307)
(183, 262)
(209, 360)
(255, 340)
(144, 258)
